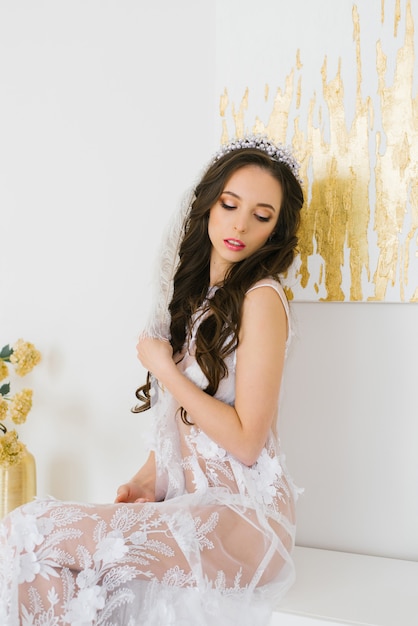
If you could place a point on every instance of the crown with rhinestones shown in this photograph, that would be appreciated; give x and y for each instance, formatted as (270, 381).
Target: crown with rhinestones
(277, 152)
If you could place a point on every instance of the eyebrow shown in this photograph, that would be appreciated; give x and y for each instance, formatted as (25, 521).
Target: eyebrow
(261, 204)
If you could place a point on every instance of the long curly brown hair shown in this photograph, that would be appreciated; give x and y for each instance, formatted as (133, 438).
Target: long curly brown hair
(217, 335)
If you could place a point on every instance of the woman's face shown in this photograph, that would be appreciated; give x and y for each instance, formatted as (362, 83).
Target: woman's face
(243, 218)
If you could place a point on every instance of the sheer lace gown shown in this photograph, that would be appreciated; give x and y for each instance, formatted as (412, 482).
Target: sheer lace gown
(216, 550)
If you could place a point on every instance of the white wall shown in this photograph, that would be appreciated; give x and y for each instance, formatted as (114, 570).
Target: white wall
(350, 426)
(107, 115)
(108, 111)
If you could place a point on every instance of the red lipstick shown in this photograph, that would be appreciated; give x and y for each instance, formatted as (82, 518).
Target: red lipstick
(234, 244)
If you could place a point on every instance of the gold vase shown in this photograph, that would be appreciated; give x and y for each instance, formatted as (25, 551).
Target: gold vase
(17, 484)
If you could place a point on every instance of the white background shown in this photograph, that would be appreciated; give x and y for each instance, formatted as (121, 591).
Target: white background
(108, 112)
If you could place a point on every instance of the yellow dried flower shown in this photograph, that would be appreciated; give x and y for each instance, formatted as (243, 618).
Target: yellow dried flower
(25, 356)
(20, 406)
(12, 450)
(4, 370)
(3, 408)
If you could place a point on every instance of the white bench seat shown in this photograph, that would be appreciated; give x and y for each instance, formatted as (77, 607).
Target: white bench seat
(334, 588)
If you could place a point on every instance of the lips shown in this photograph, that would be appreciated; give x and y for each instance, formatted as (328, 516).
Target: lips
(234, 244)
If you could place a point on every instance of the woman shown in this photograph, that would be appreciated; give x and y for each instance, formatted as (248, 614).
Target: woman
(203, 533)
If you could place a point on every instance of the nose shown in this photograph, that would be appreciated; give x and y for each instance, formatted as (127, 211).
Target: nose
(241, 224)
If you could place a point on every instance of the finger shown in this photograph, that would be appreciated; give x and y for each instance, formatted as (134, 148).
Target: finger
(122, 494)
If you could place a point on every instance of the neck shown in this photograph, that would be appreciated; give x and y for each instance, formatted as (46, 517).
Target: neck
(218, 272)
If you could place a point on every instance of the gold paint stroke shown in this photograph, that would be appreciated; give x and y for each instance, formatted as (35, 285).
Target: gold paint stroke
(337, 213)
(397, 18)
(266, 92)
(396, 169)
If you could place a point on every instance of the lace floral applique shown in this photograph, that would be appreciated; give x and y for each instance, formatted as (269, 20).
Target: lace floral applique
(176, 577)
(165, 443)
(266, 481)
(205, 446)
(216, 460)
(199, 479)
(98, 588)
(203, 529)
(220, 583)
(35, 539)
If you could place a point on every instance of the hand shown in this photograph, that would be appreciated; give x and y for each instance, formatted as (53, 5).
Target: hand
(134, 492)
(141, 487)
(156, 355)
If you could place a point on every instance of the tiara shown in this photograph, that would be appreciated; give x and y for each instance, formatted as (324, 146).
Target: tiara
(277, 152)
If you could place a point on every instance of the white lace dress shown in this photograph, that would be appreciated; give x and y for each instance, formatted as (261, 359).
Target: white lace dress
(217, 550)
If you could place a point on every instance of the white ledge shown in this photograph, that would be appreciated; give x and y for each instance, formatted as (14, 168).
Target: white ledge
(334, 588)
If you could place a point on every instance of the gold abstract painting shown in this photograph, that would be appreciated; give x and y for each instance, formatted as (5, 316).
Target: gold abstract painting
(359, 160)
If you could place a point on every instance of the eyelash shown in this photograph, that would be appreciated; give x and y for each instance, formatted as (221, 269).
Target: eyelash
(229, 207)
(263, 219)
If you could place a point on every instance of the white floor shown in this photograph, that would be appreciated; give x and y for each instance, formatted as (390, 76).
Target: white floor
(335, 588)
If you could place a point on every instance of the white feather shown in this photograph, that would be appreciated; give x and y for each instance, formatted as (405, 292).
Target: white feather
(158, 323)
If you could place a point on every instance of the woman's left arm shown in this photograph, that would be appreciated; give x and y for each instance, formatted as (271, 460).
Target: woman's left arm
(241, 429)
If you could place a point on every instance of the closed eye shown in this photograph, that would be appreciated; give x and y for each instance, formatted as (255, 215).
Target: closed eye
(231, 207)
(228, 207)
(261, 218)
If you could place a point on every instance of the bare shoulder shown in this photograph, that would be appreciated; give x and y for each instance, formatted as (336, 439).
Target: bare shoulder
(264, 311)
(270, 284)
(267, 295)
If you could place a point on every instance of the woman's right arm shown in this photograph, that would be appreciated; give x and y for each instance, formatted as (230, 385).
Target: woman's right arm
(241, 429)
(141, 487)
